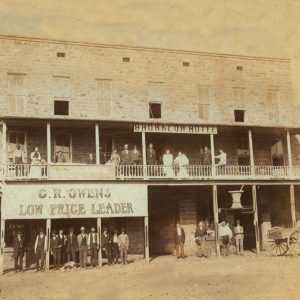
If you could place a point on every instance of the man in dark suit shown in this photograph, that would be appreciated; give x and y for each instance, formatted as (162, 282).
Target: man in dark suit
(136, 156)
(55, 248)
(18, 246)
(126, 156)
(179, 240)
(151, 155)
(93, 246)
(106, 245)
(62, 242)
(71, 245)
(40, 247)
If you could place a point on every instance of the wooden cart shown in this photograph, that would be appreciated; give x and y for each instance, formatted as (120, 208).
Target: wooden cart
(283, 240)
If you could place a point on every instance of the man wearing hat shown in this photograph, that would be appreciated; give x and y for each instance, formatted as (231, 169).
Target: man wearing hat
(71, 245)
(106, 245)
(40, 247)
(93, 246)
(115, 247)
(62, 242)
(123, 242)
(18, 246)
(82, 239)
(179, 240)
(55, 248)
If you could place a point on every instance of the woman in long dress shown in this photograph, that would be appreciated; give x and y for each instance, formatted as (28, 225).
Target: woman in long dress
(168, 164)
(115, 158)
(35, 168)
(182, 162)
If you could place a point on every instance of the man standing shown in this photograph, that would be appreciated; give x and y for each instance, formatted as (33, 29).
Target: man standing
(123, 242)
(18, 246)
(91, 160)
(106, 245)
(179, 240)
(206, 157)
(200, 239)
(136, 157)
(239, 238)
(55, 248)
(82, 239)
(62, 243)
(182, 162)
(71, 245)
(93, 246)
(225, 235)
(115, 247)
(151, 155)
(126, 156)
(40, 247)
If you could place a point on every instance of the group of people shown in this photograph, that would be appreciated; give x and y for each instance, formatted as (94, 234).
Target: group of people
(225, 238)
(63, 248)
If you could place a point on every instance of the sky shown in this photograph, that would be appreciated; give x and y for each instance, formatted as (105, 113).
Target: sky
(250, 27)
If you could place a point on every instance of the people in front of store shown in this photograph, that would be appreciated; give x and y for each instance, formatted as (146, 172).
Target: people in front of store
(106, 245)
(91, 160)
(151, 155)
(71, 245)
(123, 242)
(115, 247)
(82, 239)
(182, 162)
(18, 247)
(168, 164)
(62, 242)
(179, 240)
(93, 246)
(136, 157)
(200, 235)
(239, 238)
(55, 249)
(126, 156)
(225, 235)
(40, 247)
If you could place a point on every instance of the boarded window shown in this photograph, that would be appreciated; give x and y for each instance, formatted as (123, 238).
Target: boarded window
(204, 102)
(272, 102)
(61, 87)
(238, 97)
(104, 96)
(16, 93)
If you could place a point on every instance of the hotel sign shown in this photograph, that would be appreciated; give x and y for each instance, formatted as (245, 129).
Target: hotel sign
(57, 201)
(175, 128)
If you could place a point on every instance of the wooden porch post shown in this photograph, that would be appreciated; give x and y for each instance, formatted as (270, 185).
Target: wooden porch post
(48, 143)
(255, 219)
(144, 154)
(293, 206)
(2, 245)
(4, 143)
(212, 152)
(146, 224)
(48, 235)
(216, 217)
(251, 152)
(97, 143)
(99, 228)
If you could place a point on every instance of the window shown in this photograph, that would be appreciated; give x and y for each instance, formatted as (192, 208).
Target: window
(14, 138)
(126, 59)
(104, 92)
(61, 108)
(204, 102)
(272, 103)
(186, 64)
(60, 54)
(63, 148)
(239, 68)
(154, 110)
(16, 93)
(277, 153)
(61, 87)
(239, 115)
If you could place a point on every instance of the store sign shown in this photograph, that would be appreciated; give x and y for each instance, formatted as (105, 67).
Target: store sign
(48, 201)
(175, 128)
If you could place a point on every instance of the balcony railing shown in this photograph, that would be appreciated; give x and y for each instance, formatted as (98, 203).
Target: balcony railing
(149, 172)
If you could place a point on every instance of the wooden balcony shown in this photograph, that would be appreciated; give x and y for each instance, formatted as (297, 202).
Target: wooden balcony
(83, 172)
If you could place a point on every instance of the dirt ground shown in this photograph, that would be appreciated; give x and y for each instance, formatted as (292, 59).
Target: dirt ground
(164, 278)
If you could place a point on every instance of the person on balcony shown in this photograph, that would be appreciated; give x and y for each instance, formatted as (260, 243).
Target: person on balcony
(222, 161)
(200, 235)
(206, 157)
(239, 238)
(168, 164)
(91, 160)
(182, 162)
(115, 158)
(136, 156)
(35, 168)
(60, 158)
(151, 155)
(126, 156)
(19, 160)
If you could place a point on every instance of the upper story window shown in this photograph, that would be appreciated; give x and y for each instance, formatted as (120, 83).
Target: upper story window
(104, 96)
(272, 104)
(155, 99)
(61, 87)
(204, 102)
(16, 93)
(17, 138)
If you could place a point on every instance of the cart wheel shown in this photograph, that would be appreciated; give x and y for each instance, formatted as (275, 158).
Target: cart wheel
(294, 243)
(277, 247)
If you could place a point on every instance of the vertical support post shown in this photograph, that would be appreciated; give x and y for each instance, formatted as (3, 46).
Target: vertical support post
(144, 154)
(255, 219)
(293, 206)
(2, 230)
(4, 143)
(251, 152)
(212, 152)
(99, 229)
(97, 143)
(216, 217)
(48, 143)
(289, 149)
(146, 225)
(48, 235)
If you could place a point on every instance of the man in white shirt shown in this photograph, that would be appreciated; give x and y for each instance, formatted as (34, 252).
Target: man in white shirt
(168, 164)
(239, 238)
(225, 235)
(182, 162)
(222, 158)
(115, 247)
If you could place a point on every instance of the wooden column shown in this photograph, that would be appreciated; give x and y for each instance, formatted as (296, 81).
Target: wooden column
(99, 229)
(48, 236)
(251, 151)
(48, 143)
(2, 229)
(146, 224)
(289, 149)
(293, 206)
(144, 147)
(255, 219)
(4, 143)
(216, 217)
(212, 152)
(97, 143)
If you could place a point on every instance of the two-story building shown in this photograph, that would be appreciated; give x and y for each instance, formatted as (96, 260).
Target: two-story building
(62, 101)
